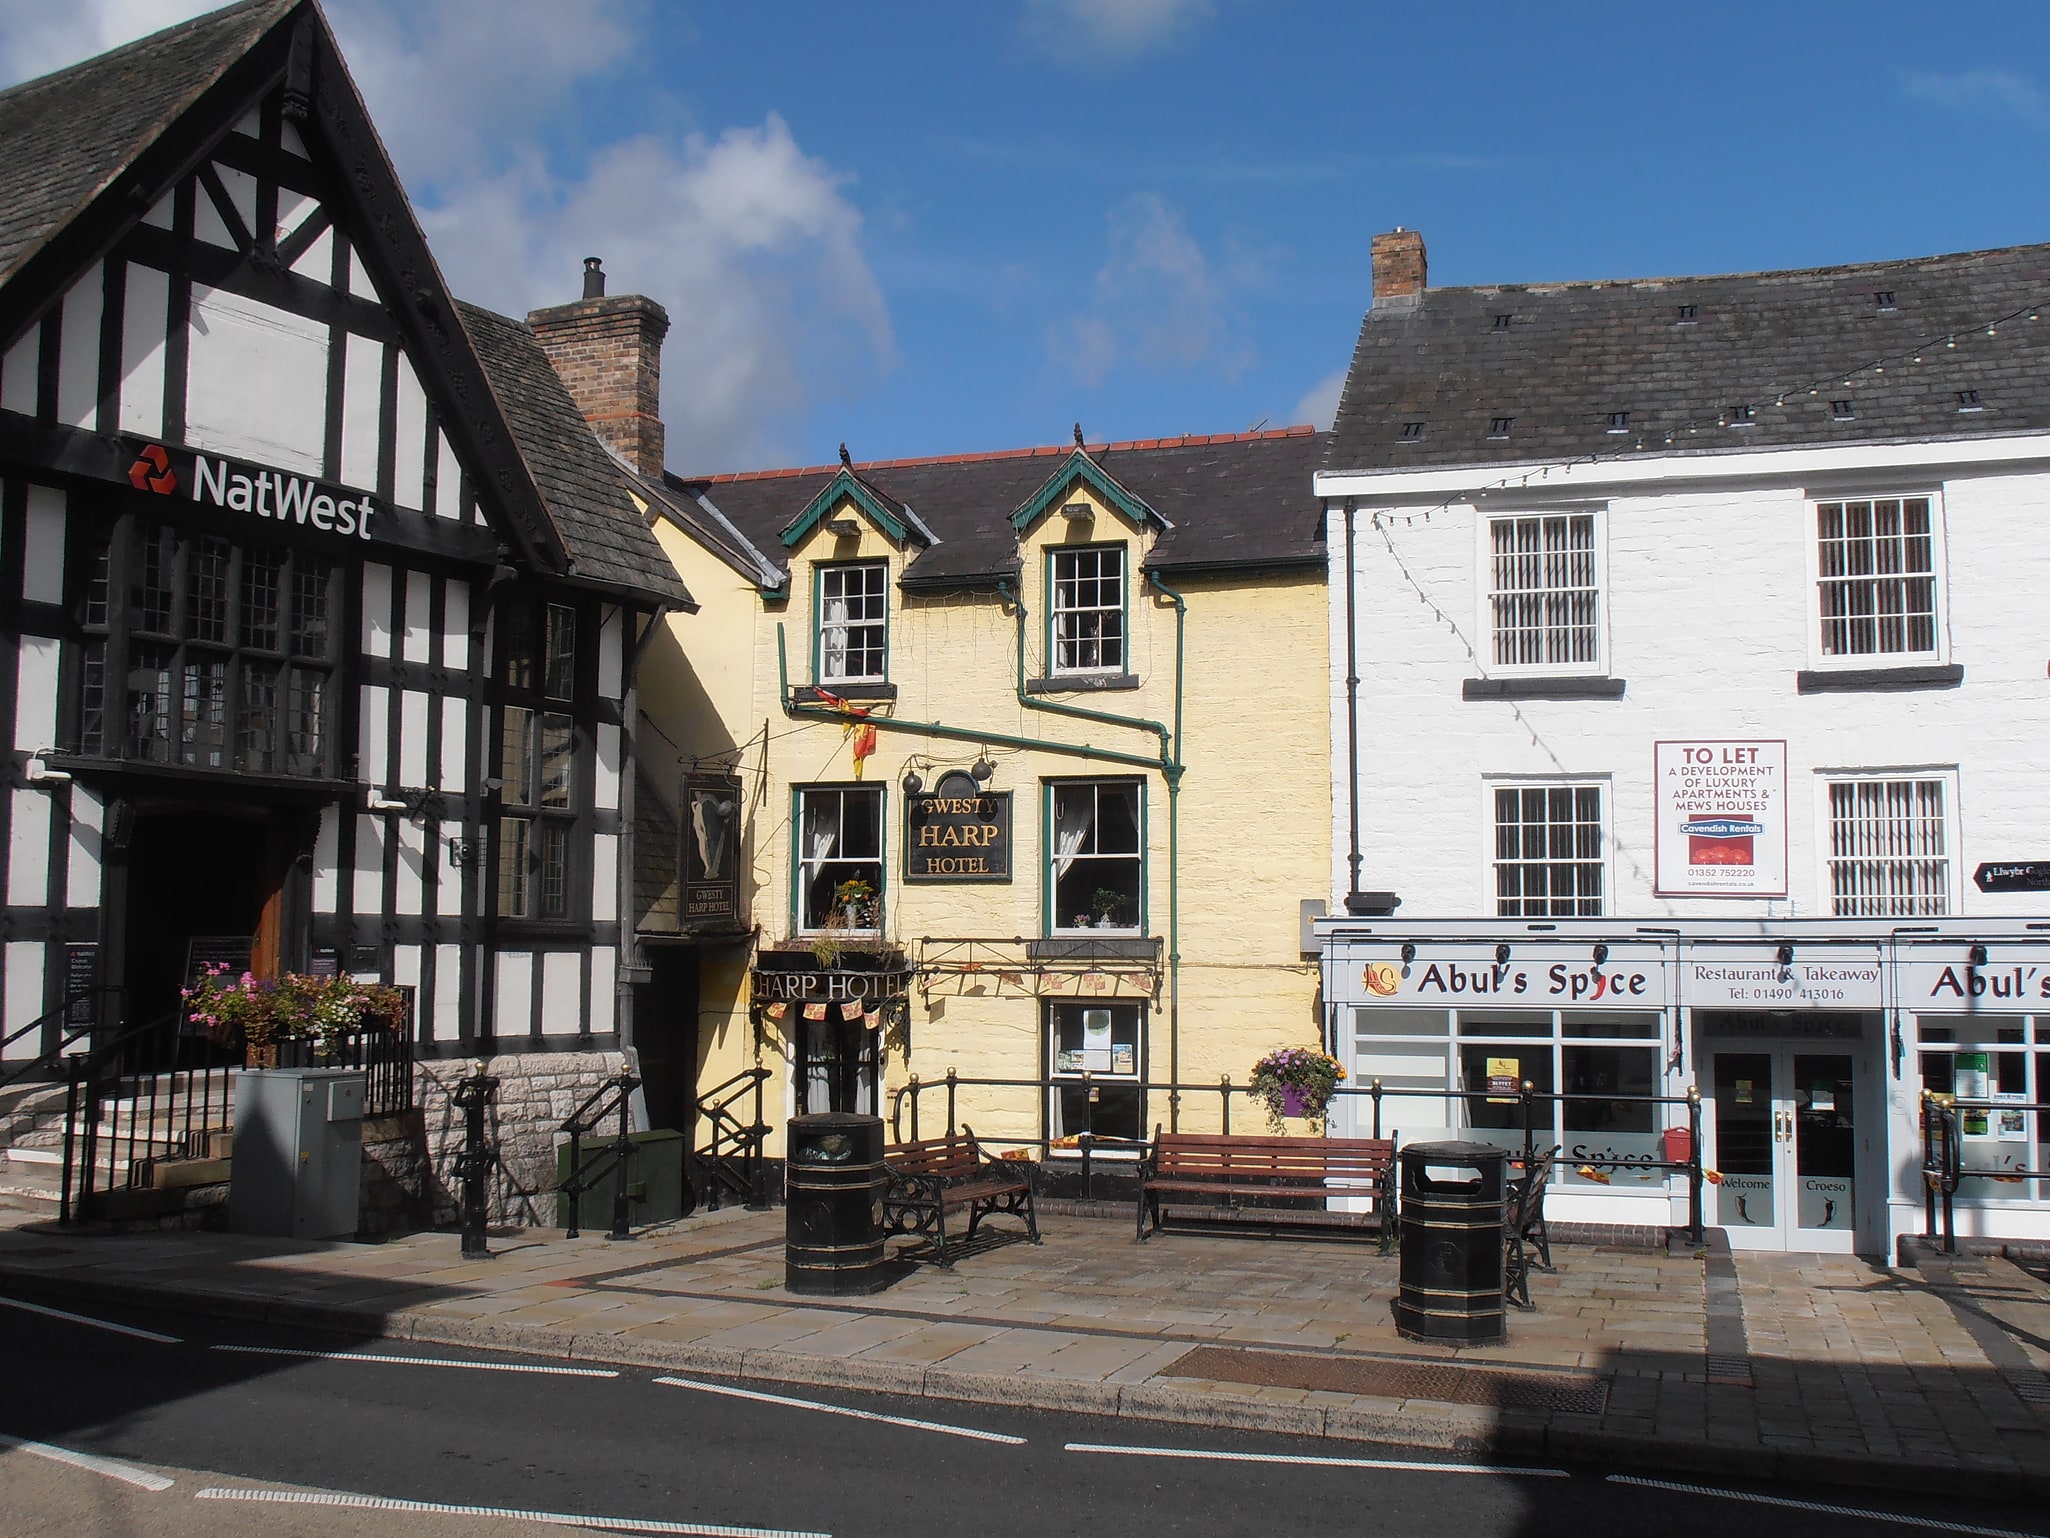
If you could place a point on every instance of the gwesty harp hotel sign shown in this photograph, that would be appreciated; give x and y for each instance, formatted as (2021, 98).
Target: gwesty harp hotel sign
(1721, 818)
(253, 489)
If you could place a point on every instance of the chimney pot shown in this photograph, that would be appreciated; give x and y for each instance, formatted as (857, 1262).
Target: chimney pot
(1399, 266)
(594, 278)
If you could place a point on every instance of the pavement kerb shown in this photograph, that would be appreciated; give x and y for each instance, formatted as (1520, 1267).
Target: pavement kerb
(1414, 1424)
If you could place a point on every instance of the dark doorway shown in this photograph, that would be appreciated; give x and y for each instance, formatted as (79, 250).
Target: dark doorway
(191, 874)
(666, 1036)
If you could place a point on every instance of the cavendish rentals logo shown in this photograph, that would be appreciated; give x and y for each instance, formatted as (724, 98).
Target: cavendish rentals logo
(253, 489)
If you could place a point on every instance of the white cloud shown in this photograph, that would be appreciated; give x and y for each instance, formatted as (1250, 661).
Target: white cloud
(1111, 29)
(1320, 402)
(749, 243)
(1160, 302)
(1983, 90)
(37, 36)
(753, 246)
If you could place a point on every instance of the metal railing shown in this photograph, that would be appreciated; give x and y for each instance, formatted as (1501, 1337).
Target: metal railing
(154, 1093)
(730, 1159)
(71, 1030)
(1527, 1099)
(383, 1052)
(1943, 1166)
(612, 1098)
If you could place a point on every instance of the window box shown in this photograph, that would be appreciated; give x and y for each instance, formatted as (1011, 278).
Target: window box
(1877, 680)
(1516, 688)
(881, 958)
(814, 694)
(1082, 683)
(1141, 948)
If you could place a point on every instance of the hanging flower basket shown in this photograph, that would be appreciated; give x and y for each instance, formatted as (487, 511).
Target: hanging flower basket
(1295, 1083)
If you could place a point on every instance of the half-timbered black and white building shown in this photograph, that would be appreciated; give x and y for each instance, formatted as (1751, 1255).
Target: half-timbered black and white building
(320, 604)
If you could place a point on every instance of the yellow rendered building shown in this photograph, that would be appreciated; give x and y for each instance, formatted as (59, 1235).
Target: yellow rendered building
(1014, 766)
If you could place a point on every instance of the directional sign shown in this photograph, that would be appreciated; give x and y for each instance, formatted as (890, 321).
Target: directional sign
(2013, 876)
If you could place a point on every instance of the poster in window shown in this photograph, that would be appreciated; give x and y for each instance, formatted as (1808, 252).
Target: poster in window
(1123, 1058)
(708, 895)
(1096, 1040)
(1721, 817)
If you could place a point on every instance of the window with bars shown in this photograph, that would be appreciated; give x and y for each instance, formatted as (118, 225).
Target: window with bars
(853, 623)
(1548, 851)
(1088, 610)
(200, 652)
(1876, 577)
(1890, 847)
(1544, 591)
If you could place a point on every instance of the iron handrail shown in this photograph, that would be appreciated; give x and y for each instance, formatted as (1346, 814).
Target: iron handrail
(731, 1137)
(1527, 1096)
(67, 1039)
(617, 1157)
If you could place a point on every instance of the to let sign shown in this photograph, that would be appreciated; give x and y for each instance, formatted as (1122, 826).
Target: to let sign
(2013, 876)
(955, 835)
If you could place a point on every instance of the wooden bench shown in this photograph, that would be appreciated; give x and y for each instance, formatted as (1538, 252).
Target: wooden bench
(1214, 1175)
(1528, 1241)
(938, 1176)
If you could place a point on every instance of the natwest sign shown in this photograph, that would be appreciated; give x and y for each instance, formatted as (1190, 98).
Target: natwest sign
(256, 489)
(1546, 981)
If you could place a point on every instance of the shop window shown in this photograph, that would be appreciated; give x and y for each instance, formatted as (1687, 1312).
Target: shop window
(1876, 578)
(1989, 1061)
(199, 652)
(1600, 1065)
(1549, 857)
(1544, 592)
(840, 858)
(1095, 857)
(853, 623)
(1095, 1065)
(1889, 847)
(537, 751)
(1087, 610)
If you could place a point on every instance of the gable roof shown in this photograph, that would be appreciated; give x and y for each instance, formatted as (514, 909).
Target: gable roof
(584, 489)
(1236, 501)
(1080, 467)
(1572, 354)
(893, 518)
(71, 135)
(86, 151)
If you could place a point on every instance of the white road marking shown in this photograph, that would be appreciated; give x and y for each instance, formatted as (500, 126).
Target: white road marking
(1397, 1464)
(127, 1473)
(554, 1518)
(835, 1409)
(1869, 1515)
(424, 1361)
(97, 1324)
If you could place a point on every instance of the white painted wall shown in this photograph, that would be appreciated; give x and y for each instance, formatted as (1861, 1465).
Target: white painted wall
(1709, 604)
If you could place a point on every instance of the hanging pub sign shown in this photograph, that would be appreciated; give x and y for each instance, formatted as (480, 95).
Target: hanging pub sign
(958, 832)
(1721, 823)
(708, 886)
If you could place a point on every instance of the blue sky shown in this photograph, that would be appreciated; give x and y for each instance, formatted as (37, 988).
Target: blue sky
(935, 229)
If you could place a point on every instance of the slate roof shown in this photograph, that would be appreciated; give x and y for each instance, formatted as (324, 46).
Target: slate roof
(584, 489)
(1573, 353)
(1236, 500)
(70, 134)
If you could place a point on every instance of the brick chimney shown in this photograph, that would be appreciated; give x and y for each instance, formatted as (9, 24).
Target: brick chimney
(609, 353)
(1398, 266)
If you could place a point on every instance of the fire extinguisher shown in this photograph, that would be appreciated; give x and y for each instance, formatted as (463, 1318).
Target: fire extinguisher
(1679, 1145)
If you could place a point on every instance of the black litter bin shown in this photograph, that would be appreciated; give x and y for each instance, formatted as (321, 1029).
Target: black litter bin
(1452, 1243)
(833, 1220)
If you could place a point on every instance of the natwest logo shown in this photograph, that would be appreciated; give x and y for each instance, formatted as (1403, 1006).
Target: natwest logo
(152, 471)
(274, 494)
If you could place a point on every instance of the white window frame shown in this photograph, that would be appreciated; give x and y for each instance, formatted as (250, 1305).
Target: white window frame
(1946, 775)
(1058, 923)
(819, 575)
(1603, 785)
(1054, 612)
(1822, 660)
(805, 864)
(1484, 588)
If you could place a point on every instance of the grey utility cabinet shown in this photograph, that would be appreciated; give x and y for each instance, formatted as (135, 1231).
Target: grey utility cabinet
(298, 1166)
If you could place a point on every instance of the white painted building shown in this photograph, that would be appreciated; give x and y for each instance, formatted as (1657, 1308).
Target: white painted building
(1697, 624)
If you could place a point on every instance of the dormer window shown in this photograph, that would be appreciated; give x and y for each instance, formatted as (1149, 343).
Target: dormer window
(1087, 610)
(853, 623)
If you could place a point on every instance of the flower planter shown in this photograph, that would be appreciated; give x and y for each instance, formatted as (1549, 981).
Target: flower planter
(1293, 1101)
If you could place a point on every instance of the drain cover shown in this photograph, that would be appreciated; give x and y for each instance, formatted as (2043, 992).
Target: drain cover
(1397, 1380)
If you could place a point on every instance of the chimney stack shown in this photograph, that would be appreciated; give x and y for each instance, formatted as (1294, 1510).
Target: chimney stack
(608, 352)
(1398, 266)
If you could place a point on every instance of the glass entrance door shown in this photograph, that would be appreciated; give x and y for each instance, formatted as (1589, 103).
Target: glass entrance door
(1786, 1145)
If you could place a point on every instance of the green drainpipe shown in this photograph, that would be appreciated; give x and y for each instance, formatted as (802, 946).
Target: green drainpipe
(1174, 860)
